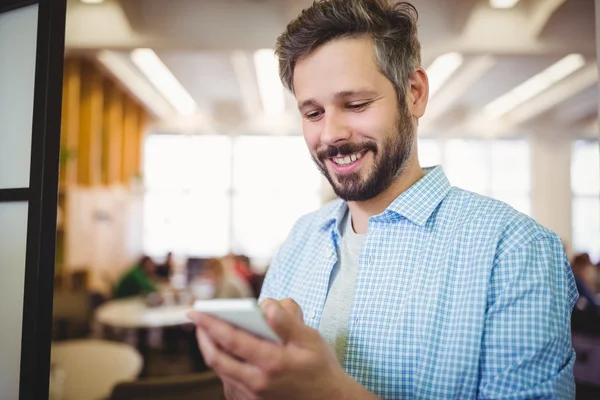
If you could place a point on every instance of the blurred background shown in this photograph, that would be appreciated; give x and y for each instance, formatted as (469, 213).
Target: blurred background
(178, 138)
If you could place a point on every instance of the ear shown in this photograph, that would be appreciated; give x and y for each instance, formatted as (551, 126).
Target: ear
(417, 94)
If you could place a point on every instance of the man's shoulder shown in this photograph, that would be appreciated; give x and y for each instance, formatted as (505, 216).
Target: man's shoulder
(482, 214)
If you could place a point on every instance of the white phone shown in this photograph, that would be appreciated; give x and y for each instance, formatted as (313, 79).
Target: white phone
(242, 313)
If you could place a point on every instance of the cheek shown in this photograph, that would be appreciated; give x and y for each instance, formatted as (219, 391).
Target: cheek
(311, 134)
(366, 125)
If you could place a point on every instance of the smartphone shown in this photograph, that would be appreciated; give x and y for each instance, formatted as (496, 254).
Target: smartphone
(242, 313)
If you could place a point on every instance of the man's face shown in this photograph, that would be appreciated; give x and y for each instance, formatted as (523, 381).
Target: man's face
(359, 135)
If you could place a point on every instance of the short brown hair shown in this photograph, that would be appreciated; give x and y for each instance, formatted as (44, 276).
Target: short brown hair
(391, 25)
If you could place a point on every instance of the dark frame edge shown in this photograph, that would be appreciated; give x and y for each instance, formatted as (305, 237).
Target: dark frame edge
(9, 5)
(16, 194)
(43, 186)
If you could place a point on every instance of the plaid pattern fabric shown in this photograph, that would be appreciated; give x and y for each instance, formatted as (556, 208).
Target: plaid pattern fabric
(458, 296)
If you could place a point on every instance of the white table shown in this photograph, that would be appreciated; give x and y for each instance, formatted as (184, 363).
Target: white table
(93, 367)
(134, 314)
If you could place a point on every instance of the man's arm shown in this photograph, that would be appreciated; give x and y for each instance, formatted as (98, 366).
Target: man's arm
(526, 348)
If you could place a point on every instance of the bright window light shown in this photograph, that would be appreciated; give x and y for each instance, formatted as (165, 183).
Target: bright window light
(441, 69)
(164, 80)
(270, 87)
(92, 1)
(503, 3)
(535, 85)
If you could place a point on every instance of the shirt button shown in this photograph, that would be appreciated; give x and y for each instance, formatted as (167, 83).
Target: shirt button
(312, 314)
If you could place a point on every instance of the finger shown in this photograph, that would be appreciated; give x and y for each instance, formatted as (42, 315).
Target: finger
(233, 387)
(226, 366)
(239, 343)
(194, 316)
(293, 308)
(289, 327)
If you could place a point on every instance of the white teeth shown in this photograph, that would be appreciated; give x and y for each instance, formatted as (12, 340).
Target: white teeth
(347, 159)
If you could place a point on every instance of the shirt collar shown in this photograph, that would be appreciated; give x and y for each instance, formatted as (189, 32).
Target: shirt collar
(416, 203)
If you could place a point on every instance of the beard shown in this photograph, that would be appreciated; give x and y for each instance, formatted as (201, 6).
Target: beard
(389, 161)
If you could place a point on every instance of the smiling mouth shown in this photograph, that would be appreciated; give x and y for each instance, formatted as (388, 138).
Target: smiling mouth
(348, 160)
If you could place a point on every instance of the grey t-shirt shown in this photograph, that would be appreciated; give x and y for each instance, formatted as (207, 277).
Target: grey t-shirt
(340, 297)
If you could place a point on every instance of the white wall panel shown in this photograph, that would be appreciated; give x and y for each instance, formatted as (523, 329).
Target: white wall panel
(13, 240)
(18, 32)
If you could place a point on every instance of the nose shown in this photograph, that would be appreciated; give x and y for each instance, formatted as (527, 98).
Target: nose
(334, 129)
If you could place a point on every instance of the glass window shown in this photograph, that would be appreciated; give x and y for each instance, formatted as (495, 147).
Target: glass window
(275, 182)
(264, 162)
(430, 152)
(585, 185)
(197, 184)
(262, 221)
(585, 168)
(177, 162)
(586, 226)
(467, 164)
(164, 162)
(511, 170)
(186, 223)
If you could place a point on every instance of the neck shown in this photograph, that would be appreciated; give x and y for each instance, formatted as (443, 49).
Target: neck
(361, 211)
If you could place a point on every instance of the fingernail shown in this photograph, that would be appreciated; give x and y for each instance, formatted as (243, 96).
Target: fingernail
(194, 316)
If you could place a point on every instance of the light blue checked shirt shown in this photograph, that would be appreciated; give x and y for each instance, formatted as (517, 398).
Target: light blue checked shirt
(458, 296)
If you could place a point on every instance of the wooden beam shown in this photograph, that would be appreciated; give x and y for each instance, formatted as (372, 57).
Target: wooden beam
(130, 139)
(141, 135)
(90, 127)
(70, 122)
(113, 134)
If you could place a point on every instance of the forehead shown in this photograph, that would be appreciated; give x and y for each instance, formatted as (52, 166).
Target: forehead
(338, 66)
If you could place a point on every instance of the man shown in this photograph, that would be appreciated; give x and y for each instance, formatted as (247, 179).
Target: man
(408, 288)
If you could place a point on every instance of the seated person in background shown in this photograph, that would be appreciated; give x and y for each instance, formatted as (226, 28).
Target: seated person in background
(164, 270)
(241, 266)
(136, 281)
(217, 281)
(585, 278)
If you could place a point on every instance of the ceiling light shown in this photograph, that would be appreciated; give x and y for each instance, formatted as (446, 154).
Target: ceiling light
(269, 86)
(92, 1)
(534, 85)
(130, 77)
(441, 69)
(503, 3)
(163, 79)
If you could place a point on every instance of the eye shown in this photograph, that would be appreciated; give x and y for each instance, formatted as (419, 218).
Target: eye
(357, 107)
(313, 115)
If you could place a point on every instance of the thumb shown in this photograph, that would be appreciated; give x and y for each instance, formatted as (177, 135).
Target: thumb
(285, 318)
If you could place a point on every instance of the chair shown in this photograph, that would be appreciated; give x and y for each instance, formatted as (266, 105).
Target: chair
(72, 315)
(204, 386)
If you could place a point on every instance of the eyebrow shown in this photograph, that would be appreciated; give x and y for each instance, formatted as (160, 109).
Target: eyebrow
(341, 95)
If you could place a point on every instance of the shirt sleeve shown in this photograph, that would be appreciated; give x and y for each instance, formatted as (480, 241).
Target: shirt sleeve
(526, 349)
(270, 284)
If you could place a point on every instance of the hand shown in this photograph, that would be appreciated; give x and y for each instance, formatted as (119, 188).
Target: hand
(302, 367)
